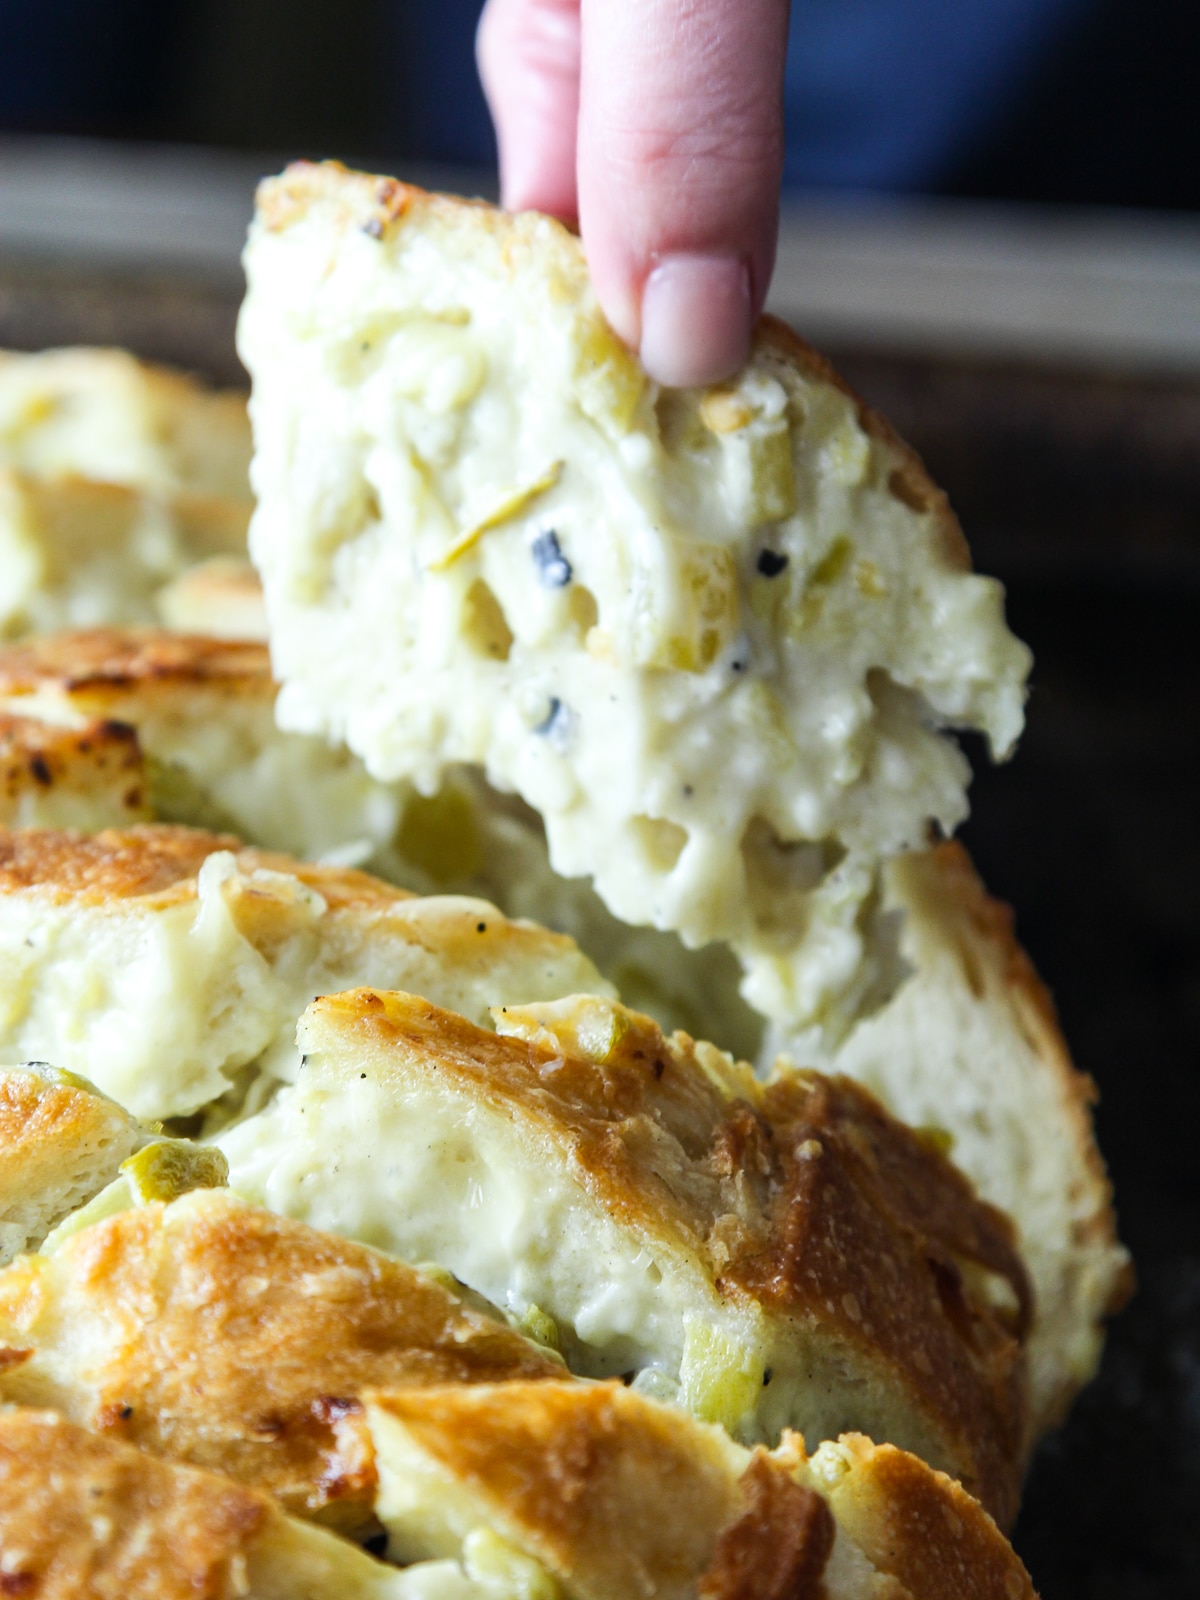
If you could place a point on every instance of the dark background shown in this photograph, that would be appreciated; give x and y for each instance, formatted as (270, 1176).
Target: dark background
(1080, 489)
(1103, 108)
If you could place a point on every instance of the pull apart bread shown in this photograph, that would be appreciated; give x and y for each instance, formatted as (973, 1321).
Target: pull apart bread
(616, 1496)
(90, 1518)
(112, 727)
(171, 727)
(115, 477)
(778, 1255)
(213, 1333)
(208, 1333)
(87, 1515)
(717, 639)
(170, 965)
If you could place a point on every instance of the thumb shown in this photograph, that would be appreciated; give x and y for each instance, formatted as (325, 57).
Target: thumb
(680, 158)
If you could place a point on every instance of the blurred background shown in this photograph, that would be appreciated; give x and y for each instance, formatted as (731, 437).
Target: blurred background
(992, 222)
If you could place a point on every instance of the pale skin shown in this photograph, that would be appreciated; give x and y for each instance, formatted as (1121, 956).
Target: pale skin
(657, 125)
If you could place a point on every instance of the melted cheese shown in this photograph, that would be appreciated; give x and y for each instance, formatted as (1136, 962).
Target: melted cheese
(710, 636)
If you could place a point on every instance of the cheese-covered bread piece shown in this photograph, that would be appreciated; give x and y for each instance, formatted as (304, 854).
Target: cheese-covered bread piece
(167, 963)
(202, 710)
(77, 553)
(115, 477)
(616, 1495)
(214, 1333)
(105, 415)
(60, 1143)
(712, 636)
(86, 775)
(970, 1047)
(109, 727)
(778, 1255)
(86, 1518)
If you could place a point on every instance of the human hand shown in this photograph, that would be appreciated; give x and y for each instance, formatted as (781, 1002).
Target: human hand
(658, 125)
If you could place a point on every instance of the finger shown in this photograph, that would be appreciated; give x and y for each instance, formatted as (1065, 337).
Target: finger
(528, 53)
(680, 160)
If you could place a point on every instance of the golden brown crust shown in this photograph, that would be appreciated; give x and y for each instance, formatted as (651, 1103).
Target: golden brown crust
(114, 659)
(922, 1527)
(83, 1518)
(158, 863)
(102, 758)
(778, 1547)
(221, 1335)
(614, 1495)
(46, 1119)
(802, 1197)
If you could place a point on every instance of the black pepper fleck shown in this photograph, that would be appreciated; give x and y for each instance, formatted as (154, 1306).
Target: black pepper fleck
(481, 927)
(556, 724)
(768, 1374)
(40, 770)
(771, 562)
(553, 568)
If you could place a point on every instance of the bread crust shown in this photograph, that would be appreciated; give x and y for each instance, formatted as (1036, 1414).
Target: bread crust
(616, 1496)
(922, 1527)
(60, 1142)
(802, 1199)
(108, 661)
(157, 863)
(214, 1333)
(83, 1518)
(1038, 1119)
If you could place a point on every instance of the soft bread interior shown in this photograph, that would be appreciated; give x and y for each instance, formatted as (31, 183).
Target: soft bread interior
(170, 965)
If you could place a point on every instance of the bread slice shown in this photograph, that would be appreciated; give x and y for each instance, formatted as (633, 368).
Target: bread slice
(217, 1334)
(778, 1255)
(105, 415)
(115, 476)
(170, 964)
(971, 1047)
(711, 636)
(210, 752)
(618, 1496)
(82, 1516)
(60, 1143)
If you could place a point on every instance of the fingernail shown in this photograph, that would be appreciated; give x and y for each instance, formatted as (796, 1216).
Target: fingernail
(695, 319)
